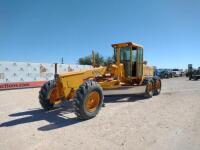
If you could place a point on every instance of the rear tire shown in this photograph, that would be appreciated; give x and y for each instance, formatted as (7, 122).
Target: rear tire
(149, 89)
(190, 78)
(88, 100)
(157, 86)
(44, 95)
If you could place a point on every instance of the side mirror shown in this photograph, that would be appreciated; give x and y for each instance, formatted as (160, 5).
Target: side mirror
(145, 62)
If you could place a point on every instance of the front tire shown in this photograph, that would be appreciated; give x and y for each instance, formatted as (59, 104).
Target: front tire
(45, 95)
(88, 100)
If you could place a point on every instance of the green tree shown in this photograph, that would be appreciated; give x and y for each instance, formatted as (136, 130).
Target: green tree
(87, 60)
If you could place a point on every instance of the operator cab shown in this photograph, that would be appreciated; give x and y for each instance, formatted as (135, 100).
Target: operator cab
(131, 56)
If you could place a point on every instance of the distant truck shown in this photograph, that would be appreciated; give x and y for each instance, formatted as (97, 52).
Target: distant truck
(177, 72)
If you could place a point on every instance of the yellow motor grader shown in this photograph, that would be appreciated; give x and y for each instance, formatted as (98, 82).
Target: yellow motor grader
(87, 88)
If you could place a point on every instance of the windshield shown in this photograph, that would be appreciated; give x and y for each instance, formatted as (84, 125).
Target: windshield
(125, 53)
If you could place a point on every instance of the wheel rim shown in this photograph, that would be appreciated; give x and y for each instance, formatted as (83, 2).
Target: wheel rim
(158, 85)
(92, 101)
(53, 97)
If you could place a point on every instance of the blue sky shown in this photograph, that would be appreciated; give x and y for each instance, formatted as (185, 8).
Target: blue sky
(46, 30)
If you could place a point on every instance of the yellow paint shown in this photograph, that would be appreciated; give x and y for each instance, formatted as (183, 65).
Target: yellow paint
(110, 77)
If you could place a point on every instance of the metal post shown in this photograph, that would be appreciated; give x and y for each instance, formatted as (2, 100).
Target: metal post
(93, 59)
(56, 71)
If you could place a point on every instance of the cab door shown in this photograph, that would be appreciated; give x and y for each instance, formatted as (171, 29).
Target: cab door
(139, 62)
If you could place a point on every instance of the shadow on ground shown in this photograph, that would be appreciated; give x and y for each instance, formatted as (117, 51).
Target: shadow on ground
(57, 117)
(124, 98)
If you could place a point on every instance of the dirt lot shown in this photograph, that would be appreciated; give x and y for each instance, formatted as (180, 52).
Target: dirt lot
(170, 121)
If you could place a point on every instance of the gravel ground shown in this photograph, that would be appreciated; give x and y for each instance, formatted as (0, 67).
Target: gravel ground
(169, 121)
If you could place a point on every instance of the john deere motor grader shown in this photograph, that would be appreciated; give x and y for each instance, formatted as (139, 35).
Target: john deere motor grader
(87, 88)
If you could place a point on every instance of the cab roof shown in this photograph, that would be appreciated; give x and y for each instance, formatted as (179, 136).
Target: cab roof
(134, 45)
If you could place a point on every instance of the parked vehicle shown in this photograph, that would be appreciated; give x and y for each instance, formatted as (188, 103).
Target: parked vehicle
(177, 73)
(164, 73)
(193, 73)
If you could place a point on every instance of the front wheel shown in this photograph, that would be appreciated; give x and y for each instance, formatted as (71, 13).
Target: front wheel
(88, 100)
(48, 95)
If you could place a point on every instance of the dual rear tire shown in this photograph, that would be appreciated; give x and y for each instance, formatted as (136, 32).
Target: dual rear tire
(153, 87)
